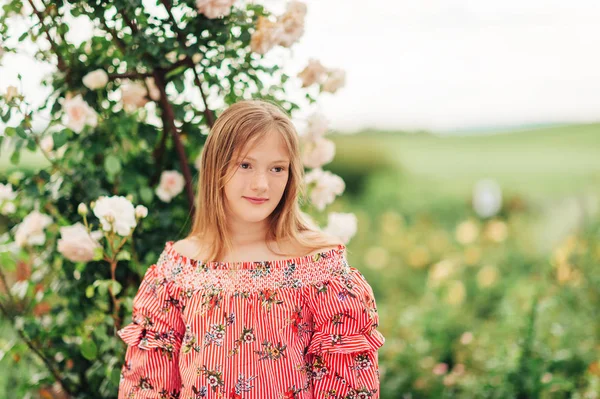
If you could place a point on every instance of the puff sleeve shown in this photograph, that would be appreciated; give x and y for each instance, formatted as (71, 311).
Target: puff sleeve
(343, 348)
(153, 339)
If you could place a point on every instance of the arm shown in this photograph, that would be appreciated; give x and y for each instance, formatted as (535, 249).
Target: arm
(343, 348)
(153, 340)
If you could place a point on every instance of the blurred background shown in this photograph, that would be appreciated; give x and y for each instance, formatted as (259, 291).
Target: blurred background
(468, 137)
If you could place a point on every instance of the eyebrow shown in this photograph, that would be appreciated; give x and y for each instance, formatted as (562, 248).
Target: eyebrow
(279, 160)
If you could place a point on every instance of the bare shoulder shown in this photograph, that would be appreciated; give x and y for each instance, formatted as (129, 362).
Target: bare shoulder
(334, 242)
(189, 247)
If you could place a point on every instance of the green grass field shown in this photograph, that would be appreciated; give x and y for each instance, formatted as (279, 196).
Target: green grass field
(544, 162)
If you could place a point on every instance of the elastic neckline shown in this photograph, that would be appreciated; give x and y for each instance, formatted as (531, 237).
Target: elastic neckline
(276, 263)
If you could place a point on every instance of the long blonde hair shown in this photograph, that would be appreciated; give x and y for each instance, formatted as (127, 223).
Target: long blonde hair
(242, 123)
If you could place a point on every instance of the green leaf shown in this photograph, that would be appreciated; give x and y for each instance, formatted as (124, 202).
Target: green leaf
(98, 253)
(179, 85)
(6, 116)
(124, 255)
(59, 138)
(21, 132)
(176, 71)
(89, 291)
(147, 194)
(112, 165)
(10, 131)
(15, 157)
(89, 350)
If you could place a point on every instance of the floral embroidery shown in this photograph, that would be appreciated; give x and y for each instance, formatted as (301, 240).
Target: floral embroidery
(268, 298)
(214, 378)
(271, 351)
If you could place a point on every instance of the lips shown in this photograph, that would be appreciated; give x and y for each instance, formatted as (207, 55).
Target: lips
(256, 200)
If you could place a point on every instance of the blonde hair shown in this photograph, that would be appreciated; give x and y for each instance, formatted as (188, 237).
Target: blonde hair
(243, 123)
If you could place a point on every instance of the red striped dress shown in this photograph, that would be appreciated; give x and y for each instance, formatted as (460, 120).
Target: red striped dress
(302, 327)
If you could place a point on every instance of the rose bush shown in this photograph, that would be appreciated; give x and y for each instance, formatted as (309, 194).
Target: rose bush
(125, 119)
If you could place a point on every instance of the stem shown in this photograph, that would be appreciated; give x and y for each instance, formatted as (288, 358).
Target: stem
(169, 115)
(181, 39)
(61, 63)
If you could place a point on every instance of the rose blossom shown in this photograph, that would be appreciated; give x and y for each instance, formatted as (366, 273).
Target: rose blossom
(313, 73)
(292, 23)
(141, 211)
(133, 95)
(47, 144)
(96, 79)
(76, 245)
(318, 152)
(317, 126)
(266, 35)
(31, 230)
(153, 91)
(327, 187)
(214, 8)
(11, 92)
(336, 79)
(341, 225)
(79, 114)
(171, 184)
(116, 214)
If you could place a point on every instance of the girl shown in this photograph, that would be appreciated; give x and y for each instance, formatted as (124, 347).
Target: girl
(255, 302)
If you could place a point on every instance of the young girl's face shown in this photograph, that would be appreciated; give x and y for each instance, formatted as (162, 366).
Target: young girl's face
(262, 174)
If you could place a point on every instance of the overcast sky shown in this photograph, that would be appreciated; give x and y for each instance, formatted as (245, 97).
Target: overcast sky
(443, 64)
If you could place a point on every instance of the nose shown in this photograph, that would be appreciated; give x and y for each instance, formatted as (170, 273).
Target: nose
(259, 182)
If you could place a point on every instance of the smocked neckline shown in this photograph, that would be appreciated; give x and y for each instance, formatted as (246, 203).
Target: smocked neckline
(275, 263)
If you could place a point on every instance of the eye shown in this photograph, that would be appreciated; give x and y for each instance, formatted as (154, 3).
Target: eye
(279, 167)
(244, 163)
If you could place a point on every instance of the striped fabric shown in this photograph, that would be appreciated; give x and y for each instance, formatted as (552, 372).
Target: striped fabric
(302, 327)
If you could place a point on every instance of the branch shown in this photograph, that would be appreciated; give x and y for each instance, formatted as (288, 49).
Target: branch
(208, 114)
(129, 75)
(167, 108)
(61, 63)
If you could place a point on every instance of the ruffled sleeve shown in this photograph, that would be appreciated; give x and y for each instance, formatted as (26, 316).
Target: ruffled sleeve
(153, 339)
(343, 348)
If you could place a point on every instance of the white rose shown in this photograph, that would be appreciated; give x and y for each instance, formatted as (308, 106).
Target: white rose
(171, 184)
(214, 8)
(313, 73)
(116, 214)
(11, 92)
(327, 186)
(141, 211)
(133, 95)
(153, 91)
(317, 126)
(336, 79)
(96, 79)
(76, 244)
(7, 208)
(341, 225)
(79, 114)
(47, 144)
(487, 198)
(318, 152)
(31, 230)
(6, 192)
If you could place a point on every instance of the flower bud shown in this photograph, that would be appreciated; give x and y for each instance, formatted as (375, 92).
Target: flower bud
(82, 209)
(141, 211)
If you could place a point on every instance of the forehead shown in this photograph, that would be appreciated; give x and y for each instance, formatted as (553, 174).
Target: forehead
(268, 148)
